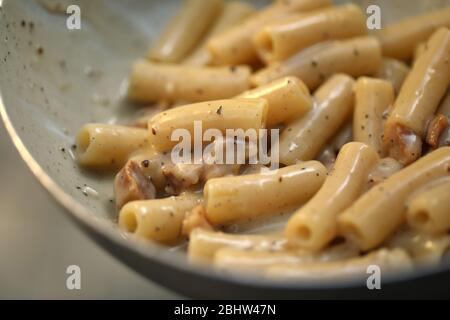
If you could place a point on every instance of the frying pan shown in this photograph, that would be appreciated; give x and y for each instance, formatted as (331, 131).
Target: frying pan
(53, 80)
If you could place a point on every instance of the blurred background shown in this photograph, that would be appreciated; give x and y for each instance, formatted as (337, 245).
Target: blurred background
(38, 243)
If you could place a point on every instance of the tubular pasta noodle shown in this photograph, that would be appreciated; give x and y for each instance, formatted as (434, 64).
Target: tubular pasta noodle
(203, 244)
(303, 139)
(288, 99)
(150, 82)
(104, 146)
(429, 210)
(360, 56)
(315, 224)
(219, 114)
(239, 198)
(444, 108)
(185, 30)
(281, 40)
(420, 48)
(389, 262)
(255, 260)
(233, 13)
(159, 220)
(372, 98)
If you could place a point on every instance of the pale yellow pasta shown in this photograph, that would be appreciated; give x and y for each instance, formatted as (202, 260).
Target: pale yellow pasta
(315, 224)
(360, 56)
(372, 99)
(235, 46)
(394, 71)
(282, 39)
(185, 30)
(444, 108)
(104, 146)
(424, 248)
(389, 261)
(159, 220)
(233, 12)
(418, 99)
(254, 260)
(429, 210)
(203, 244)
(288, 99)
(236, 199)
(420, 48)
(400, 39)
(303, 139)
(377, 213)
(150, 82)
(218, 114)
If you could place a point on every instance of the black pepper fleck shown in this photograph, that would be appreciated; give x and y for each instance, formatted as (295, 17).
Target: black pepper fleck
(145, 163)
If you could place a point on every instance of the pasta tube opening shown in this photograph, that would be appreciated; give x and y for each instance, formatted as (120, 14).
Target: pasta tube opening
(83, 140)
(128, 220)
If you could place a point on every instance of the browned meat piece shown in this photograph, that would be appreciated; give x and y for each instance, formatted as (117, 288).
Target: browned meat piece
(404, 146)
(131, 184)
(435, 128)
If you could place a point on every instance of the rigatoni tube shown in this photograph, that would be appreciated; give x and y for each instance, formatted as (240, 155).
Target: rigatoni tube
(360, 56)
(218, 114)
(104, 146)
(159, 220)
(282, 39)
(372, 99)
(204, 244)
(250, 260)
(429, 210)
(389, 261)
(288, 99)
(303, 139)
(236, 199)
(233, 12)
(151, 82)
(314, 225)
(185, 30)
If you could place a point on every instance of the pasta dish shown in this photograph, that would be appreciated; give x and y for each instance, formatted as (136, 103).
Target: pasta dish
(340, 138)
